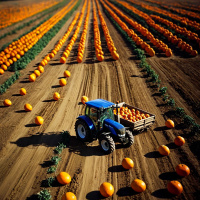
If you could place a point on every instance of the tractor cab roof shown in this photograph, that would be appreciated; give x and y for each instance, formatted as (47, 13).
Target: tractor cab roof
(99, 103)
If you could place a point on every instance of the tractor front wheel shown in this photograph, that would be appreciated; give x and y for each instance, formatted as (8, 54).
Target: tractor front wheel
(107, 143)
(82, 130)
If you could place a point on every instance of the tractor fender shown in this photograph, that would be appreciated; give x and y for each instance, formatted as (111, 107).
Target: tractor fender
(88, 121)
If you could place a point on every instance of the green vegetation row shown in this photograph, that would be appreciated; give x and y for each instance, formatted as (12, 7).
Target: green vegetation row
(50, 181)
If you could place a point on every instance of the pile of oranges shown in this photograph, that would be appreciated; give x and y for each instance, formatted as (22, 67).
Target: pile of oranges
(132, 115)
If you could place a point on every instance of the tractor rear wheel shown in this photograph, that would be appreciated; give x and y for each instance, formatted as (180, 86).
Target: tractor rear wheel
(129, 139)
(107, 143)
(82, 130)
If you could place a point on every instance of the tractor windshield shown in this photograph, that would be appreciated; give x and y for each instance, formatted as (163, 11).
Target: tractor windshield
(106, 114)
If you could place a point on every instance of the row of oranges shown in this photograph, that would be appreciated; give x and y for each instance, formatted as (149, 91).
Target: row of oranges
(132, 115)
(183, 31)
(183, 20)
(144, 31)
(130, 32)
(97, 40)
(109, 41)
(64, 38)
(15, 14)
(74, 37)
(183, 12)
(186, 6)
(169, 35)
(17, 48)
(81, 47)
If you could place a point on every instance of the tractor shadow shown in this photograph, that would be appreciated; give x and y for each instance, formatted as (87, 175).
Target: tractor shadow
(79, 148)
(88, 149)
(50, 139)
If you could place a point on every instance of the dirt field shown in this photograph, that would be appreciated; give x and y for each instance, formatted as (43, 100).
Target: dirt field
(25, 149)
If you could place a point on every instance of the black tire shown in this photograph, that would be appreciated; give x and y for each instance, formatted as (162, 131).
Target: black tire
(129, 138)
(107, 143)
(83, 132)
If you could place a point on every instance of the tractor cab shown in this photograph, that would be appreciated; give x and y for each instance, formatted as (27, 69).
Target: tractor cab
(98, 110)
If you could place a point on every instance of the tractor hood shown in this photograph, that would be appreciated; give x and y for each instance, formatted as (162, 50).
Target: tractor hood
(115, 127)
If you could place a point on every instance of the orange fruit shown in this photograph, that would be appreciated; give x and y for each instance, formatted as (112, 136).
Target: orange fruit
(62, 82)
(63, 178)
(106, 189)
(40, 68)
(179, 141)
(7, 102)
(182, 170)
(37, 72)
(127, 163)
(1, 71)
(169, 123)
(27, 107)
(39, 120)
(164, 150)
(56, 96)
(32, 77)
(69, 196)
(67, 74)
(22, 91)
(175, 187)
(84, 99)
(62, 60)
(138, 185)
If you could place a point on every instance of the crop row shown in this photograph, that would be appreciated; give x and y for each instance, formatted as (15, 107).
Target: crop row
(183, 20)
(81, 47)
(46, 12)
(15, 14)
(166, 33)
(184, 5)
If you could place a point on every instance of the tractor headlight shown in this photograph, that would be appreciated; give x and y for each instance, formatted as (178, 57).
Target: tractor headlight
(121, 132)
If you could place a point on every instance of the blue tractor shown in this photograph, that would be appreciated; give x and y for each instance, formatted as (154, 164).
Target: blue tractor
(99, 123)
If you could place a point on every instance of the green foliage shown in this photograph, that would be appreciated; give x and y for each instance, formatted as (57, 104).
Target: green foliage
(171, 102)
(55, 160)
(163, 90)
(165, 98)
(180, 112)
(50, 181)
(59, 148)
(66, 137)
(154, 77)
(9, 82)
(188, 120)
(44, 195)
(51, 169)
(195, 128)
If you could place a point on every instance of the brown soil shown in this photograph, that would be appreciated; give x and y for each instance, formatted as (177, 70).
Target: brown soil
(26, 149)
